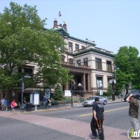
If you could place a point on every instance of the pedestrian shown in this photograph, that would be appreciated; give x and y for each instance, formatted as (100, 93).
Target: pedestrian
(44, 101)
(133, 111)
(49, 102)
(6, 104)
(3, 104)
(97, 120)
(13, 106)
(24, 102)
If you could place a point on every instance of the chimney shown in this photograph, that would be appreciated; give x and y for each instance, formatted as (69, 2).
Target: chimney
(55, 24)
(65, 26)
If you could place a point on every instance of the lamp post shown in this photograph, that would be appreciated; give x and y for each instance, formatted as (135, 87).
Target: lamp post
(22, 85)
(80, 87)
(72, 87)
(112, 82)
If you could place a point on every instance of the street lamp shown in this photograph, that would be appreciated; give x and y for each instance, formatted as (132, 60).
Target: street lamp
(22, 85)
(112, 82)
(72, 87)
(80, 88)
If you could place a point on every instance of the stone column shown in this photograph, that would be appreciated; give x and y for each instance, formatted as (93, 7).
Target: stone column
(83, 82)
(89, 83)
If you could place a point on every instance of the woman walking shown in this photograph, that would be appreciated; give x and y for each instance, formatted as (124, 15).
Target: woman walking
(13, 105)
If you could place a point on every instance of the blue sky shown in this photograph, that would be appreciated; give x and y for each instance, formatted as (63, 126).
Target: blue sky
(110, 23)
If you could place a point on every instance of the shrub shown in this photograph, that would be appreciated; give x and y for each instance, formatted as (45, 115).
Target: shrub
(58, 94)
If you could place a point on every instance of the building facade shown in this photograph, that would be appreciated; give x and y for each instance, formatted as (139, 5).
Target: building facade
(91, 66)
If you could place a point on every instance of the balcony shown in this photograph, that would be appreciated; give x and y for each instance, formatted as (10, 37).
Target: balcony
(74, 65)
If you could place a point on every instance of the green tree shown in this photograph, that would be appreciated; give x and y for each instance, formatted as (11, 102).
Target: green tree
(109, 90)
(136, 80)
(25, 41)
(125, 63)
(58, 94)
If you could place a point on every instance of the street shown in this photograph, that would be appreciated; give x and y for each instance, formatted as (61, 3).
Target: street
(116, 114)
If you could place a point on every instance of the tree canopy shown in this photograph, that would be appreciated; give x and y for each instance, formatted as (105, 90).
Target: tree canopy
(24, 41)
(126, 66)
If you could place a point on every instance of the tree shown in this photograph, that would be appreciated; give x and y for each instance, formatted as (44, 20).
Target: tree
(109, 90)
(25, 41)
(58, 94)
(136, 80)
(125, 65)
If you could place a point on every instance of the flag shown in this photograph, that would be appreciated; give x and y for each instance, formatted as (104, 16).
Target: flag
(59, 14)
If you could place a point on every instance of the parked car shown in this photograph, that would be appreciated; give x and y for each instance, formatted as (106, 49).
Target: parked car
(136, 93)
(91, 100)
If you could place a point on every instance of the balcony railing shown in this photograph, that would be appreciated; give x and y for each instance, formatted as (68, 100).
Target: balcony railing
(75, 65)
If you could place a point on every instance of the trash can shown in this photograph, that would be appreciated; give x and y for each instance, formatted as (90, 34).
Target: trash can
(28, 106)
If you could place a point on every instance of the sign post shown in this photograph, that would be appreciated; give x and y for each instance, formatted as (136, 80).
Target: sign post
(36, 100)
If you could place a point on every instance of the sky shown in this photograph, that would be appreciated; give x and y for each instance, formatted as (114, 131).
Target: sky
(110, 23)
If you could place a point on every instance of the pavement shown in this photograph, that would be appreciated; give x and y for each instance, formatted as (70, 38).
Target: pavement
(76, 130)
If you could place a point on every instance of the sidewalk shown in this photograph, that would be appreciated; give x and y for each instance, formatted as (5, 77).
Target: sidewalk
(72, 127)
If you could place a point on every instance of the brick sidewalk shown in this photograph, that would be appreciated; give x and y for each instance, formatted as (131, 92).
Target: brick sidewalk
(77, 128)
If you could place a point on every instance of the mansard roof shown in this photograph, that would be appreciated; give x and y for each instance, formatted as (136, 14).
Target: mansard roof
(64, 33)
(94, 50)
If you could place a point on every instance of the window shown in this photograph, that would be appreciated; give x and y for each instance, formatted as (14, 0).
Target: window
(70, 61)
(63, 58)
(85, 61)
(79, 62)
(70, 47)
(26, 70)
(99, 82)
(98, 64)
(83, 47)
(76, 47)
(109, 65)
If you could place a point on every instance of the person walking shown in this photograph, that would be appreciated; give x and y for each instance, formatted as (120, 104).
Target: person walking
(6, 104)
(13, 105)
(24, 102)
(49, 102)
(133, 111)
(97, 120)
(3, 104)
(44, 101)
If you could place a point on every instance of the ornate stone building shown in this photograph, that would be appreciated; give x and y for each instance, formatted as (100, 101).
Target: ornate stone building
(91, 66)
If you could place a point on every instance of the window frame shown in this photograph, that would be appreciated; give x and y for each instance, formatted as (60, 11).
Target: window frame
(109, 66)
(76, 45)
(85, 61)
(70, 47)
(98, 63)
(78, 62)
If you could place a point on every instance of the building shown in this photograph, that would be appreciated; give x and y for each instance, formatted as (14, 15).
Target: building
(91, 66)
